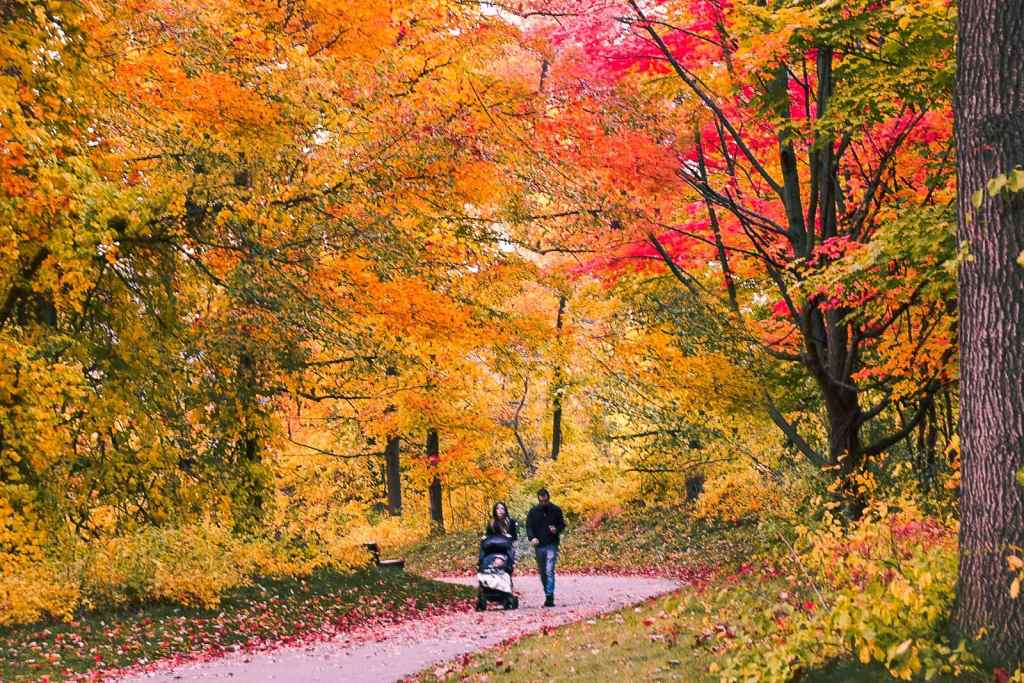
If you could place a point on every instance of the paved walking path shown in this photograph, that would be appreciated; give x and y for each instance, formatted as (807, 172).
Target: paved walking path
(402, 650)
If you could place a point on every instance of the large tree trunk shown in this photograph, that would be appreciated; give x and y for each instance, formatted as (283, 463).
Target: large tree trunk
(845, 452)
(392, 458)
(436, 502)
(990, 140)
(556, 416)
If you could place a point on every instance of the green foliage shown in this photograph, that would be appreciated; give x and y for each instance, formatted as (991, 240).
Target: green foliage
(1012, 181)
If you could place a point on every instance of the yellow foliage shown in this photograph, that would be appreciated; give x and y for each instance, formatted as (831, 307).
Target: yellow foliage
(268, 558)
(739, 492)
(391, 532)
(191, 565)
(1016, 565)
(587, 483)
(881, 590)
(30, 591)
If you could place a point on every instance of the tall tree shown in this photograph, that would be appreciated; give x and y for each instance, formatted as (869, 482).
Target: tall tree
(182, 184)
(558, 385)
(990, 142)
(798, 184)
(436, 502)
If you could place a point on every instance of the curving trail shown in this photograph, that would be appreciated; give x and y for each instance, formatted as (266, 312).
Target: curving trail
(404, 649)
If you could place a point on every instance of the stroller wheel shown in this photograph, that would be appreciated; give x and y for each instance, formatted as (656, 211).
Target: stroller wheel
(481, 604)
(512, 602)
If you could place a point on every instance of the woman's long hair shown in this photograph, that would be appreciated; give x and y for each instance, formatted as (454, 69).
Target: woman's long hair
(503, 525)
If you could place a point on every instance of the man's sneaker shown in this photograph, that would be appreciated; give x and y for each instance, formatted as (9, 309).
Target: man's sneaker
(549, 601)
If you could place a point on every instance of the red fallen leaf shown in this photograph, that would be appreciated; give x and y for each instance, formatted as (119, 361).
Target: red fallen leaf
(1002, 675)
(649, 621)
(809, 606)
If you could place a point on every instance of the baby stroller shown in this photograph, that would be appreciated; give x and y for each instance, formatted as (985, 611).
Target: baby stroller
(494, 573)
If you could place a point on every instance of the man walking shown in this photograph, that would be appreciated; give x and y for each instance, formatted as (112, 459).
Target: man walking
(544, 525)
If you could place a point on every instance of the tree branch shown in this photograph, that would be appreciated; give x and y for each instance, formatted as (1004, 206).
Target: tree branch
(347, 456)
(815, 458)
(690, 81)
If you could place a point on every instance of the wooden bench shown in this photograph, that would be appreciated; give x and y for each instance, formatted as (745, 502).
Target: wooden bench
(374, 551)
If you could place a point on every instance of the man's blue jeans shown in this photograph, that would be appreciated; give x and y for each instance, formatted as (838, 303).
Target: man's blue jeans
(547, 556)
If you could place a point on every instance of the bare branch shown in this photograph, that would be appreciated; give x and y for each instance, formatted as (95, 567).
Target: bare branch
(815, 458)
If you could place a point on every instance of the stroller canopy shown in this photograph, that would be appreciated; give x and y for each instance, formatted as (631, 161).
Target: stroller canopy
(496, 544)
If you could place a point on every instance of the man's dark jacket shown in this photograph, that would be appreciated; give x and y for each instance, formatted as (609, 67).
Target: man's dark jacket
(540, 518)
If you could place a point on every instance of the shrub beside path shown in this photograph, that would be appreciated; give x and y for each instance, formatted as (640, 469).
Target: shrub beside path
(401, 650)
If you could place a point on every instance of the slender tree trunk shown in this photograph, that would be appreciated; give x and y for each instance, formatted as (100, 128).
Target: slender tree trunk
(436, 501)
(252, 488)
(393, 462)
(556, 426)
(989, 110)
(556, 416)
(926, 456)
(393, 472)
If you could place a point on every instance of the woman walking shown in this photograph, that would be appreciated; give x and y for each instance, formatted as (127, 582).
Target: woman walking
(503, 524)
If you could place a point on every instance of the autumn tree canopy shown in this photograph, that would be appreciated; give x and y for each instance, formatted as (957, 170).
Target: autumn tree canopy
(791, 168)
(324, 271)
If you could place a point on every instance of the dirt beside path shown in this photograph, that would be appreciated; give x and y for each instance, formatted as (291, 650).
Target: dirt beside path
(404, 649)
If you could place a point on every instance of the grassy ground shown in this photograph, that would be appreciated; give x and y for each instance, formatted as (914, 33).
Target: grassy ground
(664, 541)
(683, 637)
(267, 612)
(675, 638)
(665, 639)
(615, 647)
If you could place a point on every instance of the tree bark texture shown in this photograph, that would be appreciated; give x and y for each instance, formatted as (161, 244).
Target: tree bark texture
(989, 109)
